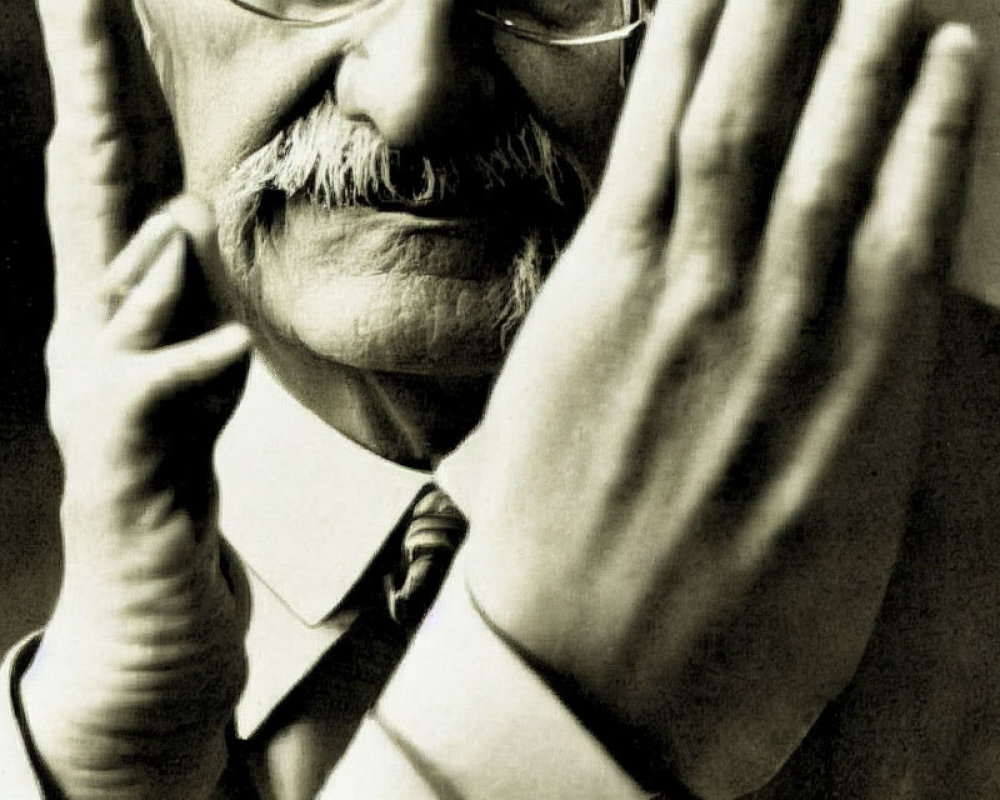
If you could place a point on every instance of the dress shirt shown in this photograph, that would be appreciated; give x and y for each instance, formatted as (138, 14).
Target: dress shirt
(306, 510)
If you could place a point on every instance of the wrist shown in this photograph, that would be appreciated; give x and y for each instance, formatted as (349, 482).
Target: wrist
(172, 646)
(635, 752)
(522, 742)
(132, 690)
(108, 736)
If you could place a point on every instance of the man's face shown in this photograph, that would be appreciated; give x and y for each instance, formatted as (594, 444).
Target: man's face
(389, 187)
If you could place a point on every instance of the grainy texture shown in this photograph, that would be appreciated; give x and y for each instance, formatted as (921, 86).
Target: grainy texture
(29, 467)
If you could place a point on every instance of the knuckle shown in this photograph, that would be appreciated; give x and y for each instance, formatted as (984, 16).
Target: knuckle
(884, 247)
(100, 400)
(783, 303)
(71, 397)
(890, 273)
(807, 204)
(723, 149)
(60, 418)
(952, 128)
(912, 254)
(875, 69)
(704, 155)
(707, 286)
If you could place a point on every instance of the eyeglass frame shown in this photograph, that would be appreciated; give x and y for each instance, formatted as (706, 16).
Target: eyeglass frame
(637, 12)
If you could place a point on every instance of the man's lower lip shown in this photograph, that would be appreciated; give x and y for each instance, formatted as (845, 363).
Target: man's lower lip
(369, 241)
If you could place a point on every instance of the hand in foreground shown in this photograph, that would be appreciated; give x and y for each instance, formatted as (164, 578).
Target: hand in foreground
(138, 671)
(696, 462)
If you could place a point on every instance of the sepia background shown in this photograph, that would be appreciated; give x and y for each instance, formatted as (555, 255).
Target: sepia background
(29, 466)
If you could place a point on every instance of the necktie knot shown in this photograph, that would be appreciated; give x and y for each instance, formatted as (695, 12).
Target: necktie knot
(433, 535)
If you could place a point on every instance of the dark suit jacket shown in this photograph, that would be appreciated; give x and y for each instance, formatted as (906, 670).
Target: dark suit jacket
(921, 717)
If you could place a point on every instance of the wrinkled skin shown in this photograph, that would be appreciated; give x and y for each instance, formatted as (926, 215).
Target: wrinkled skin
(756, 444)
(722, 377)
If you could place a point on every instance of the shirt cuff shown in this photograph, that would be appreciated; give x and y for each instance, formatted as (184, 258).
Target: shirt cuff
(464, 717)
(18, 777)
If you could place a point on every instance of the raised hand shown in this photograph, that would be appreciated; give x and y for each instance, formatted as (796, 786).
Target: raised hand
(695, 465)
(134, 682)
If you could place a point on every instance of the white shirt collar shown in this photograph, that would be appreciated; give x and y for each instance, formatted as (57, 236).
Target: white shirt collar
(304, 507)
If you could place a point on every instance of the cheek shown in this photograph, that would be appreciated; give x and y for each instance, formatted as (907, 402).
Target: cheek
(576, 93)
(213, 84)
(234, 80)
(195, 47)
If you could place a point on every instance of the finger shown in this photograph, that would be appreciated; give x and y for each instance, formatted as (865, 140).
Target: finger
(196, 217)
(112, 155)
(640, 173)
(207, 298)
(903, 247)
(135, 259)
(870, 412)
(142, 320)
(840, 140)
(740, 119)
(157, 291)
(197, 361)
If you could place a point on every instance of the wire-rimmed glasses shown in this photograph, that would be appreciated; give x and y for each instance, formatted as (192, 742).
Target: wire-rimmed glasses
(558, 23)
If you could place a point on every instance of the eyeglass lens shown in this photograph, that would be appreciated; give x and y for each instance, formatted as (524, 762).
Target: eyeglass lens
(554, 19)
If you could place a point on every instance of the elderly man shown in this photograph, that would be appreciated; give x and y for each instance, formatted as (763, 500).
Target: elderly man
(688, 474)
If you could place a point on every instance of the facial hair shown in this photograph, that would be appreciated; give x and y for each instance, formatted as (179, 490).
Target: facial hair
(338, 163)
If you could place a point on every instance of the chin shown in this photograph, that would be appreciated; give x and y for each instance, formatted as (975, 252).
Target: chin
(405, 324)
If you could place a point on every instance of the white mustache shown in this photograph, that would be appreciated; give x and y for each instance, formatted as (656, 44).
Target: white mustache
(336, 162)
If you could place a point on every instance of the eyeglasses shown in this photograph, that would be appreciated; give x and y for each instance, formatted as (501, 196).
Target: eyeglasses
(559, 23)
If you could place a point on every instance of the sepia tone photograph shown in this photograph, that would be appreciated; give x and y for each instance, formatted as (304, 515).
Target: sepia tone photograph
(525, 400)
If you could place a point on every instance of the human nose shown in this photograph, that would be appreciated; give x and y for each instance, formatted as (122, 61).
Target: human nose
(416, 75)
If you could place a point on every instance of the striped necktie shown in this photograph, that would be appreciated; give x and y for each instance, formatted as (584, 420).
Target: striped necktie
(434, 533)
(294, 750)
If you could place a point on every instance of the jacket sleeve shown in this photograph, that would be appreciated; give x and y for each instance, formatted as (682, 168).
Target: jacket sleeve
(18, 776)
(464, 718)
